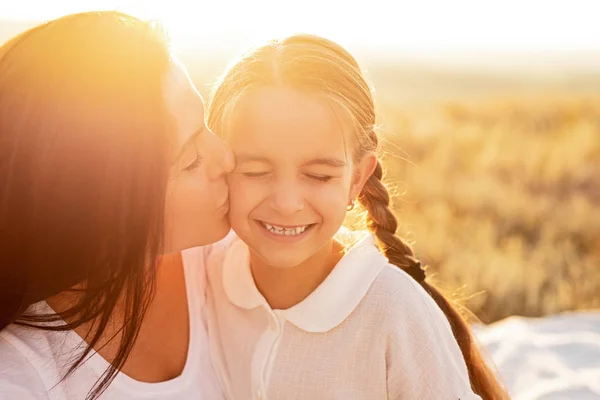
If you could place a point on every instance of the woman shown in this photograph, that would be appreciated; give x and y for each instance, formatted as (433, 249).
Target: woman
(106, 168)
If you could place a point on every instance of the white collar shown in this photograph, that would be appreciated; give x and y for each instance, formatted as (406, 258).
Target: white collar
(325, 308)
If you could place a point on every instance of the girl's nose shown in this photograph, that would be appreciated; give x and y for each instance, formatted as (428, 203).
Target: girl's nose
(287, 198)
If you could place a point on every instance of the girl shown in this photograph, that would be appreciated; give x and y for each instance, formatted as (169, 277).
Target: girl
(106, 165)
(292, 314)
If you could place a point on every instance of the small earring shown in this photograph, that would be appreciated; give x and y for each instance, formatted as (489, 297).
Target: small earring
(350, 206)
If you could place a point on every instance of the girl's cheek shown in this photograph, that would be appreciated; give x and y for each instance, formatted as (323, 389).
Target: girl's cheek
(335, 189)
(245, 194)
(236, 185)
(330, 197)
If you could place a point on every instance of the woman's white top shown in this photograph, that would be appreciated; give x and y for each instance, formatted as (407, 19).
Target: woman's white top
(33, 361)
(369, 331)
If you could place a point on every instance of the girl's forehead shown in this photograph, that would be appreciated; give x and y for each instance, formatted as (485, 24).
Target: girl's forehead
(283, 121)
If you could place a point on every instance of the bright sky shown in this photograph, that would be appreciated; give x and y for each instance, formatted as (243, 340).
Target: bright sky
(415, 26)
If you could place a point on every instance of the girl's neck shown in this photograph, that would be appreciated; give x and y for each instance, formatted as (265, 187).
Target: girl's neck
(283, 288)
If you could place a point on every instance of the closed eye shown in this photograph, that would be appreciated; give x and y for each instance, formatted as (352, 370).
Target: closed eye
(320, 178)
(254, 174)
(195, 163)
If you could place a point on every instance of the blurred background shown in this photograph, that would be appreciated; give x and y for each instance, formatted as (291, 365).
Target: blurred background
(490, 113)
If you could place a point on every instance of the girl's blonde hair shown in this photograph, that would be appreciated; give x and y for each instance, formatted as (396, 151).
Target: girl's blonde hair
(321, 67)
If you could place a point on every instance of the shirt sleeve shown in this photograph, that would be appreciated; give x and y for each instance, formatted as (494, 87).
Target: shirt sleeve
(18, 378)
(423, 358)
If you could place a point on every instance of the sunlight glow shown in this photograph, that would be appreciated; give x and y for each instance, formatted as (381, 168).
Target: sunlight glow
(409, 26)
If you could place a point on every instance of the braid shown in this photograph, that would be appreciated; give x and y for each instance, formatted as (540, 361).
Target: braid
(375, 198)
(383, 224)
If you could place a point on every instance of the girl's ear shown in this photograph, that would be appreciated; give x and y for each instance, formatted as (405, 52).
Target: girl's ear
(362, 171)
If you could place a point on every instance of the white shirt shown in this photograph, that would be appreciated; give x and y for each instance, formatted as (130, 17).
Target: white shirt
(369, 331)
(32, 362)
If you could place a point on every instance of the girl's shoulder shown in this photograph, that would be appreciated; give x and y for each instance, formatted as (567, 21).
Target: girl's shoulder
(403, 303)
(400, 289)
(384, 293)
(419, 340)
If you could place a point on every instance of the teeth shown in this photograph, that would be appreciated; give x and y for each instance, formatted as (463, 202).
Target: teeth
(285, 231)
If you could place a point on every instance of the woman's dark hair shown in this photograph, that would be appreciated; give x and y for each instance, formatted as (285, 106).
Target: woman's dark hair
(84, 159)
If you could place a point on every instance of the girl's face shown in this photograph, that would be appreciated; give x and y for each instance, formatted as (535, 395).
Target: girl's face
(294, 174)
(197, 198)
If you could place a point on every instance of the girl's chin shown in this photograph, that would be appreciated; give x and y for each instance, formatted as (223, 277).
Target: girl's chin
(282, 261)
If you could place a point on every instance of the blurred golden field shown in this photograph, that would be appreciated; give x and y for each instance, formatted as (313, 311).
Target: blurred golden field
(500, 193)
(503, 196)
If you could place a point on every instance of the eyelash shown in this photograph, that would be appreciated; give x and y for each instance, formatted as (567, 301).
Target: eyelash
(320, 178)
(254, 174)
(194, 163)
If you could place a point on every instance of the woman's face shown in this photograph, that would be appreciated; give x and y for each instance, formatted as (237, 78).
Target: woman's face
(197, 195)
